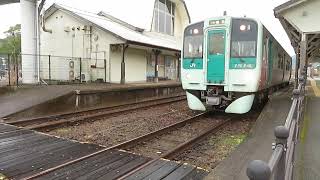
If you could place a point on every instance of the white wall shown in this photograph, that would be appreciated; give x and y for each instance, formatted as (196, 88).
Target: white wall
(103, 51)
(75, 43)
(115, 66)
(136, 65)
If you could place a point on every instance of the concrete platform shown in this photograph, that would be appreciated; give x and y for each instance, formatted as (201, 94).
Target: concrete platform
(258, 144)
(26, 97)
(307, 163)
(24, 153)
(22, 99)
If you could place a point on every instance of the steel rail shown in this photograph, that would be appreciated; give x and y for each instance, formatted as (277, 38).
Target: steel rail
(180, 148)
(118, 146)
(55, 121)
(183, 146)
(87, 111)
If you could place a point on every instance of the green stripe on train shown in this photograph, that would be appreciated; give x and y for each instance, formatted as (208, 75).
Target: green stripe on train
(242, 63)
(196, 63)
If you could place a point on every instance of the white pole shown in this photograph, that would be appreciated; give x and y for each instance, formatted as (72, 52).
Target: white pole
(29, 41)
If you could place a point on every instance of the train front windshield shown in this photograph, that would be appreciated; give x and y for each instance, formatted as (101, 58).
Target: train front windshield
(244, 38)
(193, 41)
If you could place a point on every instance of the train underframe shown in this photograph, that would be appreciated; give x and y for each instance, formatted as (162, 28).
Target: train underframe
(216, 99)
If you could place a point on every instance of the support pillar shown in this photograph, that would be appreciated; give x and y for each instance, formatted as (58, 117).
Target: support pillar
(29, 40)
(156, 66)
(303, 55)
(296, 72)
(123, 64)
(178, 55)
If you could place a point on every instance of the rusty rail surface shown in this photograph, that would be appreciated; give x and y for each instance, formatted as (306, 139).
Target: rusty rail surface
(86, 115)
(121, 145)
(181, 147)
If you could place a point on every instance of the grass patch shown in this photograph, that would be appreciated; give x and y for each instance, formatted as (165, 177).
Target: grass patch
(227, 143)
(232, 141)
(63, 130)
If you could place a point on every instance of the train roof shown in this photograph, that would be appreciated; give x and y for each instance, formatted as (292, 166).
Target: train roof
(249, 18)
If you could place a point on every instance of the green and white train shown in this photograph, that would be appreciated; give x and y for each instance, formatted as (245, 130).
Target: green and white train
(229, 62)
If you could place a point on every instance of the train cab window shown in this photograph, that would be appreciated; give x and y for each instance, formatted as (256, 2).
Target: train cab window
(193, 41)
(244, 38)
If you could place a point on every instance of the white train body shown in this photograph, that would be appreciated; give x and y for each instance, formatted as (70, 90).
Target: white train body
(228, 62)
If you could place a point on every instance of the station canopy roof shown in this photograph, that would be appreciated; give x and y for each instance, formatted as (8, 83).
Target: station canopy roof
(302, 17)
(123, 30)
(2, 2)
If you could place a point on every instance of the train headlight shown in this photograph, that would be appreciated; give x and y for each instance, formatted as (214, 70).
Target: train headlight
(243, 27)
(188, 76)
(196, 31)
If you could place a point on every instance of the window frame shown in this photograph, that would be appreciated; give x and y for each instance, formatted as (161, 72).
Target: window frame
(212, 43)
(200, 26)
(156, 21)
(232, 37)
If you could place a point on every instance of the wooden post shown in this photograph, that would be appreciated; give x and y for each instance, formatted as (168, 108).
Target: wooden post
(178, 55)
(303, 55)
(123, 64)
(156, 66)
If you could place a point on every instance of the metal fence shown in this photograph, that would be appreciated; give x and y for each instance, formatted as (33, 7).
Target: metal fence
(62, 69)
(280, 165)
(10, 70)
(52, 69)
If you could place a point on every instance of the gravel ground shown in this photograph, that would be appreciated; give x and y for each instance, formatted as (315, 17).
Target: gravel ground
(158, 146)
(206, 154)
(209, 152)
(117, 129)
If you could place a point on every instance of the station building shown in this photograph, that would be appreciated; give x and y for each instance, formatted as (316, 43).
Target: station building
(112, 49)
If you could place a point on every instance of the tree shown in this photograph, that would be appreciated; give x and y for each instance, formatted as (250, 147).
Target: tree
(12, 43)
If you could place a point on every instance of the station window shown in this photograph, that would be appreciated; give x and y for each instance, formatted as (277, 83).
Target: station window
(163, 18)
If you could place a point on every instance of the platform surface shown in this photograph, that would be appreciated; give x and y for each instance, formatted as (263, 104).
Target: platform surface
(20, 100)
(24, 153)
(258, 144)
(307, 164)
(25, 98)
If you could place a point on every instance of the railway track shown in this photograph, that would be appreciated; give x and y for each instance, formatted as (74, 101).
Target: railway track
(193, 130)
(170, 152)
(53, 121)
(169, 141)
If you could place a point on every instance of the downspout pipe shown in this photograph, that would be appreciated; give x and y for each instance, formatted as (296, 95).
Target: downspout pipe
(40, 7)
(41, 24)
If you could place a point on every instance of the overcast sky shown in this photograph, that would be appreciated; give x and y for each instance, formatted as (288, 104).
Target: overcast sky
(198, 9)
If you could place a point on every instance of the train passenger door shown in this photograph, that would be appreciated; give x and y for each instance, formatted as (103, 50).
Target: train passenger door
(216, 56)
